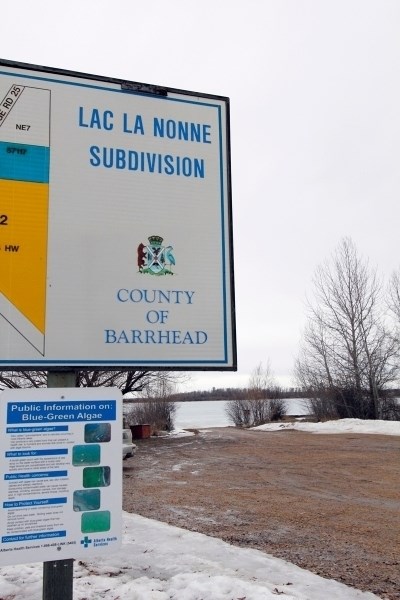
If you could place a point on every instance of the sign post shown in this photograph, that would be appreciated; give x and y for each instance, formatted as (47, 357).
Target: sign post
(58, 575)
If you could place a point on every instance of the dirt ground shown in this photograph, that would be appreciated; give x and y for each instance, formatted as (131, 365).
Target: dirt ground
(328, 503)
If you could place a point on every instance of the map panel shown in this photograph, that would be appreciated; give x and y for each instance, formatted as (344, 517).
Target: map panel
(24, 197)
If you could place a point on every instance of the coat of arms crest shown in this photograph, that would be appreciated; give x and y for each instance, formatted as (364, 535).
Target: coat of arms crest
(155, 259)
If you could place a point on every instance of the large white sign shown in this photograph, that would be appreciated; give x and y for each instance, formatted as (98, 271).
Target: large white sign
(61, 465)
(115, 224)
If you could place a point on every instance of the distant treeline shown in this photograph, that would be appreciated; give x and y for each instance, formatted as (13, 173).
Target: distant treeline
(236, 394)
(241, 394)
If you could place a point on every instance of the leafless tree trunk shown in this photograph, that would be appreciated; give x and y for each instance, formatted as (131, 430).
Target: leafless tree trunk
(347, 356)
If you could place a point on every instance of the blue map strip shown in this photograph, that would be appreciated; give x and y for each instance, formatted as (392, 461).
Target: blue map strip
(37, 502)
(23, 162)
(33, 536)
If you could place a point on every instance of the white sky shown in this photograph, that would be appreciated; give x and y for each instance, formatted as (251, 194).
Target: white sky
(159, 562)
(315, 126)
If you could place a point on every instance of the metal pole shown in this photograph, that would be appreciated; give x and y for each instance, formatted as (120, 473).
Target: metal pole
(58, 574)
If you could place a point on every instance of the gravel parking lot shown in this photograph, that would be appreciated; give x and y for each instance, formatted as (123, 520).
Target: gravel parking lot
(328, 503)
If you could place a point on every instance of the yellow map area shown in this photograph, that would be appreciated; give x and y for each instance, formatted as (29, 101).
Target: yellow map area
(23, 247)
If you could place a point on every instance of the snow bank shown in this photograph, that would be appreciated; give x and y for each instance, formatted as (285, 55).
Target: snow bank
(339, 426)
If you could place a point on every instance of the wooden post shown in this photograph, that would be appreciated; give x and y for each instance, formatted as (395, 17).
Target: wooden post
(58, 574)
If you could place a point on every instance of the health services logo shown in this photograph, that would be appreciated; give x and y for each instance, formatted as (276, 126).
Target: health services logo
(154, 258)
(86, 541)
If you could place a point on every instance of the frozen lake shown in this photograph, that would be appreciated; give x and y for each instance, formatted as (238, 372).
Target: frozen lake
(212, 413)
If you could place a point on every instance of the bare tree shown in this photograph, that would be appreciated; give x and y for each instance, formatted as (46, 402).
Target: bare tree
(22, 379)
(347, 357)
(155, 407)
(394, 296)
(393, 304)
(126, 381)
(260, 404)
